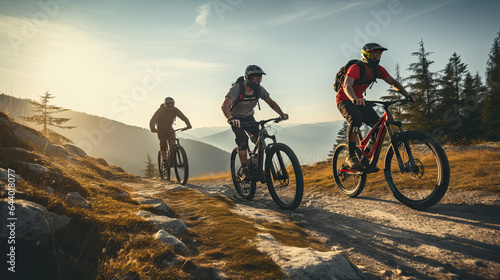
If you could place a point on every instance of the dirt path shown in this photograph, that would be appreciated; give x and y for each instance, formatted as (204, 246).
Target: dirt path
(458, 238)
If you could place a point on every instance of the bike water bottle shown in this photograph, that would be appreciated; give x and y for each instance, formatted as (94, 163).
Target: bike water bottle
(255, 159)
(370, 145)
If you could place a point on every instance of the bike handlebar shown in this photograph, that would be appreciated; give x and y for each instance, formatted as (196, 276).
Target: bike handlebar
(263, 122)
(179, 129)
(386, 104)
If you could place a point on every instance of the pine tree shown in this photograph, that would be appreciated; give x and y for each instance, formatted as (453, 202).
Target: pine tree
(490, 114)
(45, 112)
(422, 84)
(342, 134)
(150, 170)
(341, 138)
(471, 98)
(449, 106)
(395, 95)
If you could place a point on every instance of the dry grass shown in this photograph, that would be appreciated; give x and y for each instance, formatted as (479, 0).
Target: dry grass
(225, 237)
(108, 241)
(212, 176)
(470, 170)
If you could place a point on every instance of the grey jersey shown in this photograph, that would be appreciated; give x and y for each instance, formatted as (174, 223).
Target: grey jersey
(244, 108)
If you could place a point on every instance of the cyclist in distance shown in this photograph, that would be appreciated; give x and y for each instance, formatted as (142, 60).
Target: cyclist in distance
(238, 107)
(162, 122)
(350, 100)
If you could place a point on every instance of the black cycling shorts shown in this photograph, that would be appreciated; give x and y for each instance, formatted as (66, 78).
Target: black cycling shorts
(358, 114)
(240, 132)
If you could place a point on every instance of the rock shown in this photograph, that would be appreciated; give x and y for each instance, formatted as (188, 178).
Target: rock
(159, 206)
(145, 214)
(75, 150)
(165, 237)
(168, 224)
(49, 190)
(34, 222)
(307, 263)
(4, 175)
(37, 169)
(77, 200)
(30, 138)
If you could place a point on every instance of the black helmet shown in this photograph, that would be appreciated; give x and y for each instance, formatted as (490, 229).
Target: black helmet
(371, 53)
(169, 100)
(251, 71)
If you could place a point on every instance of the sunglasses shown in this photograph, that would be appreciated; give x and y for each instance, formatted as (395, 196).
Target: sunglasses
(373, 55)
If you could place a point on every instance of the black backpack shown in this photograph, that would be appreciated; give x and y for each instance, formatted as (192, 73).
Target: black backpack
(339, 78)
(240, 81)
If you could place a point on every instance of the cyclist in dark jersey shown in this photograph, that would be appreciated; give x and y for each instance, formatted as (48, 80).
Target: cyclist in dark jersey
(162, 122)
(350, 100)
(240, 108)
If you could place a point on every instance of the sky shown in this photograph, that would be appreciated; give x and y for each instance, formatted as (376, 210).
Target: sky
(120, 59)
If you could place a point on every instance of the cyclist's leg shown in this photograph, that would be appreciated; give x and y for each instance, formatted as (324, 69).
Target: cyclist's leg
(242, 142)
(352, 114)
(370, 117)
(170, 135)
(162, 136)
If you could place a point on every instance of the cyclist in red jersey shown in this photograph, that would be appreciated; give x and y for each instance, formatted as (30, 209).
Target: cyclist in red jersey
(351, 103)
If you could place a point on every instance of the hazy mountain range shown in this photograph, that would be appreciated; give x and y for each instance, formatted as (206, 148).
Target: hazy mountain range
(120, 144)
(310, 142)
(207, 148)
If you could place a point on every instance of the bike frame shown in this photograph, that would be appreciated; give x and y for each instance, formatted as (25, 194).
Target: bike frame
(370, 158)
(176, 141)
(261, 147)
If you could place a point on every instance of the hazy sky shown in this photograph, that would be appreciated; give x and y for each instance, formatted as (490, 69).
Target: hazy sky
(120, 59)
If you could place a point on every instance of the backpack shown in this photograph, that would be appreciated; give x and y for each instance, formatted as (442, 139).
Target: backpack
(240, 81)
(339, 78)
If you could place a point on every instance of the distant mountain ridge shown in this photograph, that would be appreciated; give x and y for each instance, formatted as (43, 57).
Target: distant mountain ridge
(120, 144)
(311, 142)
(207, 148)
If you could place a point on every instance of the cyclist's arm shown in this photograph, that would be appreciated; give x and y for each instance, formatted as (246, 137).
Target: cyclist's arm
(276, 107)
(350, 93)
(226, 107)
(153, 121)
(183, 118)
(398, 87)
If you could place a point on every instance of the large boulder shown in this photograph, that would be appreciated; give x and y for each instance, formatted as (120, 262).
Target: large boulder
(29, 221)
(167, 238)
(307, 263)
(32, 139)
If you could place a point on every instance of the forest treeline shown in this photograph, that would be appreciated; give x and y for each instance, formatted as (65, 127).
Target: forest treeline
(454, 105)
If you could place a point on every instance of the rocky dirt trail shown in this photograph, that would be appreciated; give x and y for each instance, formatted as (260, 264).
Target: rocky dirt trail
(459, 238)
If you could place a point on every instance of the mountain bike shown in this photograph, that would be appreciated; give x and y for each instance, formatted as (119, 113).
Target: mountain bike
(281, 172)
(416, 166)
(176, 159)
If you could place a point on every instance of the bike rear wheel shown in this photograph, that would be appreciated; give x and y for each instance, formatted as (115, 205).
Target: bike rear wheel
(244, 188)
(164, 170)
(350, 182)
(425, 180)
(181, 166)
(284, 177)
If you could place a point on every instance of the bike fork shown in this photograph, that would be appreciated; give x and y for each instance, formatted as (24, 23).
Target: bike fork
(402, 167)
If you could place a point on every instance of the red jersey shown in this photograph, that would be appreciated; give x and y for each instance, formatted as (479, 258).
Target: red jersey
(353, 72)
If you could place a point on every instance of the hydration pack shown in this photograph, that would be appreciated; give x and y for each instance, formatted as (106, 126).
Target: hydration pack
(240, 81)
(340, 77)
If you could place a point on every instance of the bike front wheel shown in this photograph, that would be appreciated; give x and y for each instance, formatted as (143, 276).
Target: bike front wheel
(284, 177)
(181, 166)
(163, 169)
(246, 189)
(424, 177)
(350, 182)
